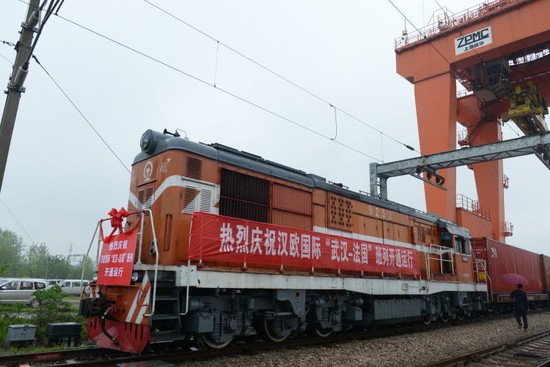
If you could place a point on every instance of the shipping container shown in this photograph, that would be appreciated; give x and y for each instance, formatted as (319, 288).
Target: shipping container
(504, 263)
(545, 268)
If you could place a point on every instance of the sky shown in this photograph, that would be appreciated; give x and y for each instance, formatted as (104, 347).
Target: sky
(129, 66)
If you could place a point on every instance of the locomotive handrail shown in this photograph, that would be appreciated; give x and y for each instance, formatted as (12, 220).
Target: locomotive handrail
(481, 264)
(84, 262)
(142, 215)
(428, 269)
(141, 238)
(188, 277)
(156, 262)
(187, 290)
(439, 251)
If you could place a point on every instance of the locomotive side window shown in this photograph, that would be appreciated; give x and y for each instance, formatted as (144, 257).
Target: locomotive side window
(244, 196)
(446, 239)
(463, 245)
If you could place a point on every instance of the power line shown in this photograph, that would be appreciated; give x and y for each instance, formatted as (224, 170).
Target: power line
(218, 42)
(11, 44)
(511, 128)
(80, 113)
(214, 86)
(5, 58)
(16, 220)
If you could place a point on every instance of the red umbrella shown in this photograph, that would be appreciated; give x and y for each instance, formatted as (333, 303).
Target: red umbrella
(513, 278)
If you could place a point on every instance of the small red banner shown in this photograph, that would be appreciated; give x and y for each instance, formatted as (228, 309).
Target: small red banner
(117, 259)
(46, 357)
(230, 240)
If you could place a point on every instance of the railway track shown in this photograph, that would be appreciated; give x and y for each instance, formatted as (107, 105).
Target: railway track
(104, 357)
(533, 350)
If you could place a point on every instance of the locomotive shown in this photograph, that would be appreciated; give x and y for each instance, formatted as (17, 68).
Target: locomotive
(218, 244)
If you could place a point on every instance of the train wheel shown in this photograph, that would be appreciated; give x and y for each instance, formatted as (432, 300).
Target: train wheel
(444, 317)
(214, 344)
(427, 319)
(323, 333)
(460, 315)
(273, 331)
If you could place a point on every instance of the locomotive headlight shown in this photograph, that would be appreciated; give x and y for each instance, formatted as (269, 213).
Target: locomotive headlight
(137, 276)
(147, 142)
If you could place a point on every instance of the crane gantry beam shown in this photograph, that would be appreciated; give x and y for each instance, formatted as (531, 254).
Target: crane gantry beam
(379, 173)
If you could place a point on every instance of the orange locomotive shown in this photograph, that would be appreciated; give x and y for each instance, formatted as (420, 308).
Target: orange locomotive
(221, 244)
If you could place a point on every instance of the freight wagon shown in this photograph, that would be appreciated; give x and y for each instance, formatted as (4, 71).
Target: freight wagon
(504, 263)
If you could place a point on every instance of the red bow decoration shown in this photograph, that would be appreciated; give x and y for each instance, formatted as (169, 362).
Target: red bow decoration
(117, 216)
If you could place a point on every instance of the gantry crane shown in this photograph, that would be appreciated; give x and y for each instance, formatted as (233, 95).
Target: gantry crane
(499, 52)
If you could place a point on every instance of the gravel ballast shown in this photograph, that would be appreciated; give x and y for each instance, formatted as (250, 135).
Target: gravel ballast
(399, 351)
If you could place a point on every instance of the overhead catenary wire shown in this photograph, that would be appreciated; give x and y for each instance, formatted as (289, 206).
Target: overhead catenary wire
(278, 75)
(225, 91)
(11, 44)
(80, 113)
(54, 5)
(17, 220)
(511, 128)
(5, 58)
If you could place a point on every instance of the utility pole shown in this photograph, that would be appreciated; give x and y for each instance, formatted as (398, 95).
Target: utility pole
(15, 84)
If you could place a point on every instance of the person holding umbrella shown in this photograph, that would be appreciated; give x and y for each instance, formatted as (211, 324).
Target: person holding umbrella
(521, 305)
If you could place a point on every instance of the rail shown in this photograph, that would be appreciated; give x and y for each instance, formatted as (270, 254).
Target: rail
(454, 21)
(472, 206)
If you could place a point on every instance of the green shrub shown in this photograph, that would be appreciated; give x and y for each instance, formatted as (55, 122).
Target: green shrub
(52, 309)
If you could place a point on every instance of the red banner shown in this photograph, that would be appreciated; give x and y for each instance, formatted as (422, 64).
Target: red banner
(117, 259)
(216, 238)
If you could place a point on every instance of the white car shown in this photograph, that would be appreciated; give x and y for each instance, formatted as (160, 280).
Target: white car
(21, 291)
(74, 286)
(51, 282)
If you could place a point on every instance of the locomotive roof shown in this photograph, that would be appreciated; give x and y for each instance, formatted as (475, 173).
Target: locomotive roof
(162, 142)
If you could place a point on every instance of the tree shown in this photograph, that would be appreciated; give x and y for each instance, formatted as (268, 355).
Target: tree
(88, 265)
(58, 267)
(41, 264)
(11, 252)
(37, 261)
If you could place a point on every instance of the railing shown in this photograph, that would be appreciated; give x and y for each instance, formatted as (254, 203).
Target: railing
(482, 275)
(472, 206)
(508, 229)
(436, 253)
(462, 138)
(463, 93)
(448, 22)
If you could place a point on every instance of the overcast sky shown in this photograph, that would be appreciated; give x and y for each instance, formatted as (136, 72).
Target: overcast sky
(61, 178)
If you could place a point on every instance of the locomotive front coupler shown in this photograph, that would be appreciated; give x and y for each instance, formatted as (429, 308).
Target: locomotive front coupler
(92, 307)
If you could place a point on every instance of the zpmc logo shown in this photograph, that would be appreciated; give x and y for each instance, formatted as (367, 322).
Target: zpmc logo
(473, 40)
